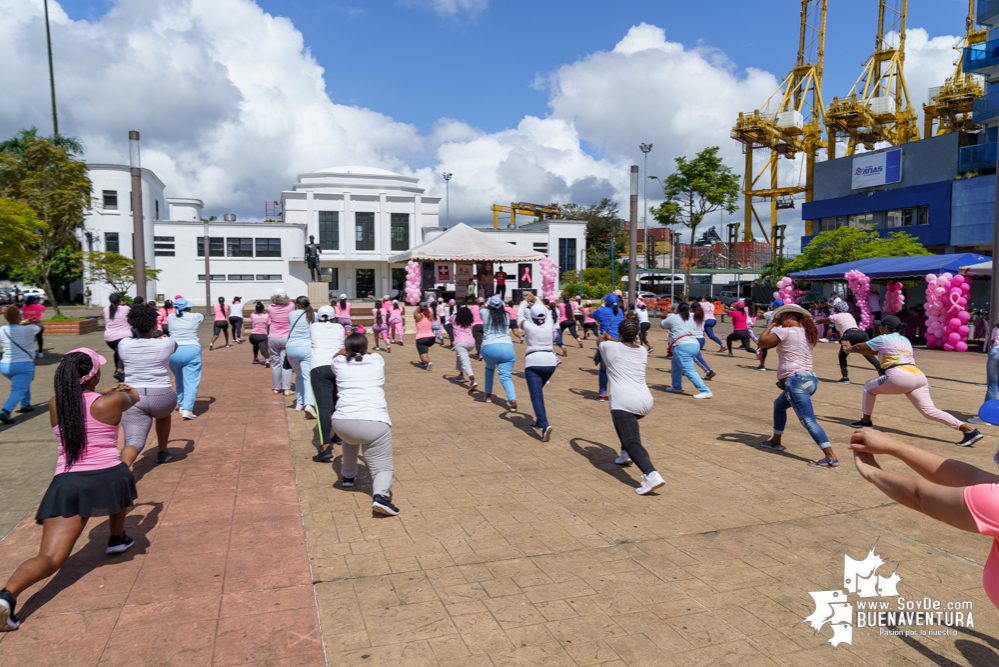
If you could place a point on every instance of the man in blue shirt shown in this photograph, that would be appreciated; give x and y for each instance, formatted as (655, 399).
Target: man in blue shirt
(609, 317)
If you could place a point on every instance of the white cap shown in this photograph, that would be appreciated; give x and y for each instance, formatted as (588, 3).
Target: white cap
(326, 313)
(343, 296)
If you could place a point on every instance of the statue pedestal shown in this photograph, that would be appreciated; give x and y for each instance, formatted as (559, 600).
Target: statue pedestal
(319, 294)
(409, 320)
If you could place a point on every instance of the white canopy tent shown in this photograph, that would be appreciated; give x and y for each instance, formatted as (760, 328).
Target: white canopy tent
(980, 269)
(462, 243)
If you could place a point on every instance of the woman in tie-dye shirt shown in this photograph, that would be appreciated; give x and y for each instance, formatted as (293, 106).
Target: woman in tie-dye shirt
(894, 351)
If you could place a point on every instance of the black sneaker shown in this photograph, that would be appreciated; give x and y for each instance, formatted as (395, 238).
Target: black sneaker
(710, 375)
(970, 438)
(843, 381)
(324, 455)
(5, 417)
(119, 543)
(119, 376)
(381, 504)
(8, 621)
(862, 423)
(27, 408)
(163, 457)
(347, 482)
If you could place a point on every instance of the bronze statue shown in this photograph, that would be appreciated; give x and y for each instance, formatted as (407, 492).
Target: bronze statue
(312, 252)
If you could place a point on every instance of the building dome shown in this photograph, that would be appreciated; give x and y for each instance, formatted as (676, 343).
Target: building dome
(358, 171)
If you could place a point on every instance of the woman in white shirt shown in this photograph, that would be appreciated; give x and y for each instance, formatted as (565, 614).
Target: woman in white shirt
(147, 370)
(362, 419)
(236, 318)
(539, 363)
(18, 363)
(327, 339)
(642, 313)
(846, 327)
(630, 398)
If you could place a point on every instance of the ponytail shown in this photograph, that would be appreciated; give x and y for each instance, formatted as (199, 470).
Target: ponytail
(303, 302)
(70, 406)
(115, 299)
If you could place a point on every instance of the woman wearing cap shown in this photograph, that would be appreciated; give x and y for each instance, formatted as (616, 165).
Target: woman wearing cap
(221, 323)
(425, 338)
(35, 310)
(299, 351)
(608, 317)
(846, 327)
(901, 376)
(630, 399)
(147, 370)
(90, 480)
(464, 343)
(185, 362)
(342, 309)
(18, 363)
(259, 321)
(540, 363)
(683, 347)
(236, 319)
(793, 333)
(115, 328)
(327, 338)
(497, 349)
(740, 328)
(642, 313)
(709, 321)
(277, 341)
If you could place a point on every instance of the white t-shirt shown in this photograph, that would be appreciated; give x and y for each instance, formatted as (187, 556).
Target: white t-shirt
(327, 340)
(360, 389)
(539, 344)
(643, 315)
(626, 377)
(874, 301)
(236, 309)
(709, 310)
(146, 360)
(21, 335)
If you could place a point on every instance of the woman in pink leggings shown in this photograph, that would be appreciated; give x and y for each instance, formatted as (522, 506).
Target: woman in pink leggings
(396, 311)
(381, 326)
(894, 351)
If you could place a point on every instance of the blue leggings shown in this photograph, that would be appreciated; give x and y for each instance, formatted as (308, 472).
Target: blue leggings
(699, 359)
(500, 356)
(20, 374)
(709, 331)
(186, 366)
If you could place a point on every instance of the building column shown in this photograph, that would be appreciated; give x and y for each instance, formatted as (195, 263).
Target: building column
(415, 221)
(311, 218)
(347, 246)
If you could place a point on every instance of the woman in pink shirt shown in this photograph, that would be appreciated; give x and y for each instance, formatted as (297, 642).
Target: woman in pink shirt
(589, 324)
(425, 338)
(259, 321)
(464, 342)
(161, 318)
(34, 309)
(477, 330)
(380, 326)
(221, 322)
(511, 310)
(342, 310)
(396, 313)
(567, 320)
(90, 479)
(115, 328)
(277, 340)
(740, 328)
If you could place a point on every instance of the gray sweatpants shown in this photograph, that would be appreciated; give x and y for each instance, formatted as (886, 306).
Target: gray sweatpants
(280, 375)
(375, 439)
(462, 363)
(154, 403)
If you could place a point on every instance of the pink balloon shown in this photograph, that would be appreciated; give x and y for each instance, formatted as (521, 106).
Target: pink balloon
(948, 347)
(962, 302)
(954, 322)
(954, 337)
(776, 295)
(931, 277)
(961, 346)
(966, 287)
(947, 329)
(958, 279)
(964, 316)
(963, 330)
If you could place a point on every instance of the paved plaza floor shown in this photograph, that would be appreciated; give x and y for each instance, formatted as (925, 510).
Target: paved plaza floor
(509, 551)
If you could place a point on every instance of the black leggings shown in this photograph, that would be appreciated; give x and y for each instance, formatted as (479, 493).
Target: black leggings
(592, 326)
(220, 325)
(571, 326)
(39, 337)
(643, 332)
(237, 326)
(449, 328)
(855, 336)
(324, 389)
(423, 345)
(259, 342)
(477, 335)
(113, 344)
(742, 336)
(626, 425)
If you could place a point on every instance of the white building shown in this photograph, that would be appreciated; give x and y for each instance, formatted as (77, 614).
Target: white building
(564, 241)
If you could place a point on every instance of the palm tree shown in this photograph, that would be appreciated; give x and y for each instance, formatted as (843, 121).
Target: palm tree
(19, 142)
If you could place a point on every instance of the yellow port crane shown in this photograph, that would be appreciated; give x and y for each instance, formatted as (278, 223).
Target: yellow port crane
(878, 107)
(950, 106)
(793, 125)
(539, 211)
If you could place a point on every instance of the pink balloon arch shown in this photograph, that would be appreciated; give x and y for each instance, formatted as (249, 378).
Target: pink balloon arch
(894, 299)
(947, 313)
(549, 276)
(786, 291)
(860, 285)
(413, 281)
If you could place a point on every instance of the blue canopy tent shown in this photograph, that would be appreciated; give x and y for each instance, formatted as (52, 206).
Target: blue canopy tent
(885, 268)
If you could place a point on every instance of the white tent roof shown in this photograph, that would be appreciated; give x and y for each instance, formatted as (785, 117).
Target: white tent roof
(980, 269)
(462, 243)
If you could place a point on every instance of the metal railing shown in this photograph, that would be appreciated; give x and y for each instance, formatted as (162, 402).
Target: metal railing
(986, 107)
(978, 57)
(977, 157)
(986, 10)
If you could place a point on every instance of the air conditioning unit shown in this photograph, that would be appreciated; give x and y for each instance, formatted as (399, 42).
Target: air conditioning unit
(790, 119)
(931, 97)
(881, 105)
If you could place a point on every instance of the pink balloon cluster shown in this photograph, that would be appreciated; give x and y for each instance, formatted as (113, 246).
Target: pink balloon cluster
(549, 276)
(785, 290)
(860, 285)
(894, 299)
(946, 311)
(413, 282)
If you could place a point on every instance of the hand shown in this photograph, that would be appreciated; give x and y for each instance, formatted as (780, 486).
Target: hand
(867, 440)
(121, 386)
(866, 464)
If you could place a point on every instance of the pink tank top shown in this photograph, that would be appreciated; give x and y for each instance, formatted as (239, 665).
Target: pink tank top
(424, 328)
(102, 444)
(221, 312)
(342, 312)
(475, 315)
(561, 312)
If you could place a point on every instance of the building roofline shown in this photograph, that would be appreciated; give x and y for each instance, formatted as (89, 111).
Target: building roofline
(124, 167)
(185, 200)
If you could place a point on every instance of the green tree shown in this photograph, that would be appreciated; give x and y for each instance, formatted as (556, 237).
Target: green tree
(19, 230)
(56, 186)
(848, 244)
(603, 223)
(19, 142)
(698, 187)
(115, 270)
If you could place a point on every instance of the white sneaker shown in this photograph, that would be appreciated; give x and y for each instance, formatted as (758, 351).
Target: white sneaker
(623, 460)
(671, 390)
(823, 340)
(310, 412)
(187, 414)
(650, 482)
(976, 420)
(704, 394)
(299, 407)
(39, 355)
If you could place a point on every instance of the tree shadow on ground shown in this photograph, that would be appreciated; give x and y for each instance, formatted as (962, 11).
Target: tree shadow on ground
(602, 458)
(93, 554)
(753, 440)
(201, 405)
(584, 393)
(147, 460)
(846, 421)
(973, 652)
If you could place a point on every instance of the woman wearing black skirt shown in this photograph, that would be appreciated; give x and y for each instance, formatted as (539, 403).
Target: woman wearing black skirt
(90, 479)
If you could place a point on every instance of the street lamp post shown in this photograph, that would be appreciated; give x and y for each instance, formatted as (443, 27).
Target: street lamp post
(48, 40)
(447, 196)
(672, 244)
(646, 148)
(138, 231)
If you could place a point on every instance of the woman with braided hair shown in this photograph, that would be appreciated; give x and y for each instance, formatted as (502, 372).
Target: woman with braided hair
(90, 480)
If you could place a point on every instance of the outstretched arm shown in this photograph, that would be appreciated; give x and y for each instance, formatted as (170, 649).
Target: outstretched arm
(859, 348)
(933, 467)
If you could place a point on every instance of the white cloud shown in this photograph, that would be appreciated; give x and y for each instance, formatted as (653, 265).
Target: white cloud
(450, 9)
(232, 106)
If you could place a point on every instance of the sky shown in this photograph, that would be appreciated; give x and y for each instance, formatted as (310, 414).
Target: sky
(521, 101)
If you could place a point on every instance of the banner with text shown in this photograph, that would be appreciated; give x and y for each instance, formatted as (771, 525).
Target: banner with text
(874, 169)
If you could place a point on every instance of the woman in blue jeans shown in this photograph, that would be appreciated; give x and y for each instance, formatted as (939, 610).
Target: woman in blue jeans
(185, 363)
(497, 349)
(684, 347)
(792, 331)
(539, 363)
(18, 364)
(299, 351)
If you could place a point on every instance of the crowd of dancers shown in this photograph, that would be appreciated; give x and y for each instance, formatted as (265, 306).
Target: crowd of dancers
(340, 382)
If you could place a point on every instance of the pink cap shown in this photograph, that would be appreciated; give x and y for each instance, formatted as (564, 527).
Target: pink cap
(97, 360)
(178, 297)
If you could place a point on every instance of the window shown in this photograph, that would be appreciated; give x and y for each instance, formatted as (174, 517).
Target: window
(566, 255)
(269, 276)
(894, 218)
(163, 246)
(862, 220)
(157, 202)
(923, 215)
(329, 230)
(908, 217)
(111, 242)
(268, 247)
(400, 231)
(364, 231)
(110, 200)
(216, 247)
(238, 247)
(541, 247)
(398, 280)
(215, 276)
(331, 276)
(241, 276)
